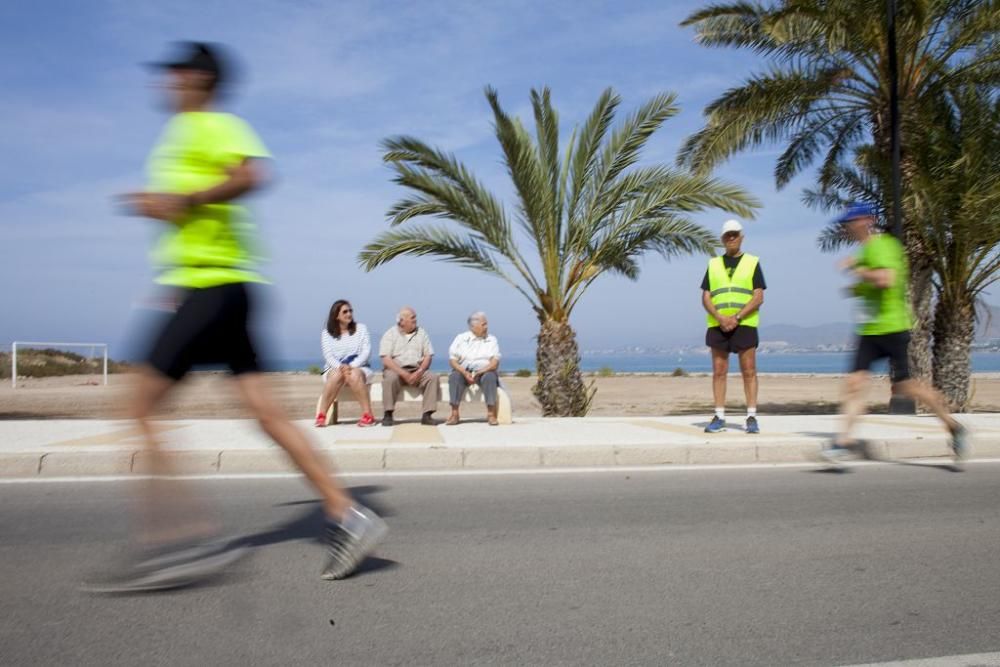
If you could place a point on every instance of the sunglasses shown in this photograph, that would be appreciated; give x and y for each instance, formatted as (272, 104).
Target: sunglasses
(731, 235)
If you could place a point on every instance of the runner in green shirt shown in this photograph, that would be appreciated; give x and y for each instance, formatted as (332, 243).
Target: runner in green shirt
(881, 271)
(205, 161)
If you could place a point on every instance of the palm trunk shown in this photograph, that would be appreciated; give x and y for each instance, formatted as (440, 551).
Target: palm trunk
(921, 290)
(560, 389)
(954, 328)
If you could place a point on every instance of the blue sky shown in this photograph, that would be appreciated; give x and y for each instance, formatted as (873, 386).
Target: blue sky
(324, 82)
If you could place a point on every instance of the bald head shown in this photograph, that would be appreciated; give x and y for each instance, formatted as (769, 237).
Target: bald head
(407, 319)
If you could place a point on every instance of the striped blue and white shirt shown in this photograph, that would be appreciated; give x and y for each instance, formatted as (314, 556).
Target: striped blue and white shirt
(353, 350)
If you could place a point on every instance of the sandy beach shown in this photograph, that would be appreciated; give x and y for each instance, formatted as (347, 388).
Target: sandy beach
(209, 395)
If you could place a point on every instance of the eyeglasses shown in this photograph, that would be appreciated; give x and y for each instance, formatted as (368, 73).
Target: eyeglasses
(731, 235)
(346, 310)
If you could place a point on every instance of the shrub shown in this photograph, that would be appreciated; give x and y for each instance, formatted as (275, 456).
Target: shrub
(522, 373)
(679, 373)
(605, 372)
(314, 370)
(40, 363)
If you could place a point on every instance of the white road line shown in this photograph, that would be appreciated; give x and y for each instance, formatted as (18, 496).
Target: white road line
(968, 660)
(497, 472)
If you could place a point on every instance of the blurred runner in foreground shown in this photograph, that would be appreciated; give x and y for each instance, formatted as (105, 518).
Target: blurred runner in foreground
(205, 161)
(881, 272)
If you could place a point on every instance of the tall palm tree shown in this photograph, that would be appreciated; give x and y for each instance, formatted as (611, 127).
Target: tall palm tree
(956, 190)
(828, 91)
(584, 210)
(954, 199)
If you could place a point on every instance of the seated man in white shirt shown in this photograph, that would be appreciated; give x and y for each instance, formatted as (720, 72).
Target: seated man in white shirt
(474, 356)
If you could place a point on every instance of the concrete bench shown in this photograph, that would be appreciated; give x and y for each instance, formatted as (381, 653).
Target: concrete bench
(474, 393)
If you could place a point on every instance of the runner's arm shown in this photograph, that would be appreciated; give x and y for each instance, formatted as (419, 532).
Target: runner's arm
(880, 278)
(247, 176)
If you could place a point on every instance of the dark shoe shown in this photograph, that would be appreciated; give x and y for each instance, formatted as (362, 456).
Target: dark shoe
(752, 426)
(387, 419)
(716, 426)
(428, 420)
(349, 542)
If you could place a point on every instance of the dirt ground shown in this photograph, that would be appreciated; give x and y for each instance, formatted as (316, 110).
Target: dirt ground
(212, 396)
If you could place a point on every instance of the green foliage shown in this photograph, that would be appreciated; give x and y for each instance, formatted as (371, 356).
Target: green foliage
(313, 369)
(679, 373)
(40, 363)
(522, 373)
(605, 372)
(827, 90)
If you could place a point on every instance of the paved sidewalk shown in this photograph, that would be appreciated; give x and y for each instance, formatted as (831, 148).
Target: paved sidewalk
(99, 447)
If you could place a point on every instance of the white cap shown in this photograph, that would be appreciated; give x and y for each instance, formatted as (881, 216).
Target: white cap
(732, 226)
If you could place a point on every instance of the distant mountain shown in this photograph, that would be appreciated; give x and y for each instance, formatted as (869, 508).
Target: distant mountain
(832, 333)
(838, 333)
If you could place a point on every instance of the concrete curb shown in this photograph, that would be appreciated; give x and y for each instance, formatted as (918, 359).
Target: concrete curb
(379, 457)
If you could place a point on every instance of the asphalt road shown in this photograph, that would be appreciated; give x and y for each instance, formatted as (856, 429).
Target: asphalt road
(698, 567)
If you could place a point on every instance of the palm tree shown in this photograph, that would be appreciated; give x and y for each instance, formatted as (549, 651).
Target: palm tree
(584, 210)
(828, 91)
(955, 198)
(956, 190)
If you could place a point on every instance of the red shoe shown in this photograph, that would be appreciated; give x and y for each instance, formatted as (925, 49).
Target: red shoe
(366, 420)
(320, 420)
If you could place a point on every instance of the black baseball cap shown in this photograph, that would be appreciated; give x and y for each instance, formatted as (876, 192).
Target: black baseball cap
(199, 56)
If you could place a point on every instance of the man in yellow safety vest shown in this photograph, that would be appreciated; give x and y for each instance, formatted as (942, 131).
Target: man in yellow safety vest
(732, 293)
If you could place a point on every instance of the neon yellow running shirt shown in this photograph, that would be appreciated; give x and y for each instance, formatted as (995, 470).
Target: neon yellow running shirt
(883, 311)
(214, 244)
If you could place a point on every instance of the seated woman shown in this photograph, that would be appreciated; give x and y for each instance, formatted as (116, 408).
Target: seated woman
(346, 349)
(474, 356)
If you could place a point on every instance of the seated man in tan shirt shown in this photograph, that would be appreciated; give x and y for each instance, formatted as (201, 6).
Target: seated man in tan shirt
(406, 353)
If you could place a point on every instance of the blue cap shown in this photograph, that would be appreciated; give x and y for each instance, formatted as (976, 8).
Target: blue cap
(857, 210)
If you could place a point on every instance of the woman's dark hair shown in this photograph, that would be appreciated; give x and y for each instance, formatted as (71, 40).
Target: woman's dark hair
(333, 326)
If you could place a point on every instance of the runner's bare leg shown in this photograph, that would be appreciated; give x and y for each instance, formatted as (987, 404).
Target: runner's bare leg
(295, 442)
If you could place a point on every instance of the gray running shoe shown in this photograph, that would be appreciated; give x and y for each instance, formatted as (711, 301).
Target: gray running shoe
(349, 542)
(164, 569)
(960, 443)
(835, 454)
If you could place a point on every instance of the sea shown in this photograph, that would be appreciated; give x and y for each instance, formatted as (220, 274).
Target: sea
(785, 362)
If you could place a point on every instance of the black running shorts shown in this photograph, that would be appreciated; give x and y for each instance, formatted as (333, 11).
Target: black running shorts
(209, 327)
(893, 346)
(739, 339)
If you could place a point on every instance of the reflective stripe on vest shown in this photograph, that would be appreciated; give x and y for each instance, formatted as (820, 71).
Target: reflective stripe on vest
(729, 295)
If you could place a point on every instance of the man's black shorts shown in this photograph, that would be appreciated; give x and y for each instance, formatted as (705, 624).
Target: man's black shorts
(739, 339)
(209, 327)
(893, 346)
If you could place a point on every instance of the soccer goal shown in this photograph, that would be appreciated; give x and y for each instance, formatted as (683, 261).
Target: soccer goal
(93, 353)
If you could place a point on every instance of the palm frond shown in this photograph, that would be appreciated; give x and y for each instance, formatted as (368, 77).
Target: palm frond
(404, 153)
(524, 165)
(622, 149)
(588, 144)
(765, 109)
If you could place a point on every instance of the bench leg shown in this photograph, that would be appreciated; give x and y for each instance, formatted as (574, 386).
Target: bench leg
(504, 412)
(331, 412)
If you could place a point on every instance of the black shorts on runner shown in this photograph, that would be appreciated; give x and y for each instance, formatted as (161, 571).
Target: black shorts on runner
(209, 327)
(739, 339)
(892, 346)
